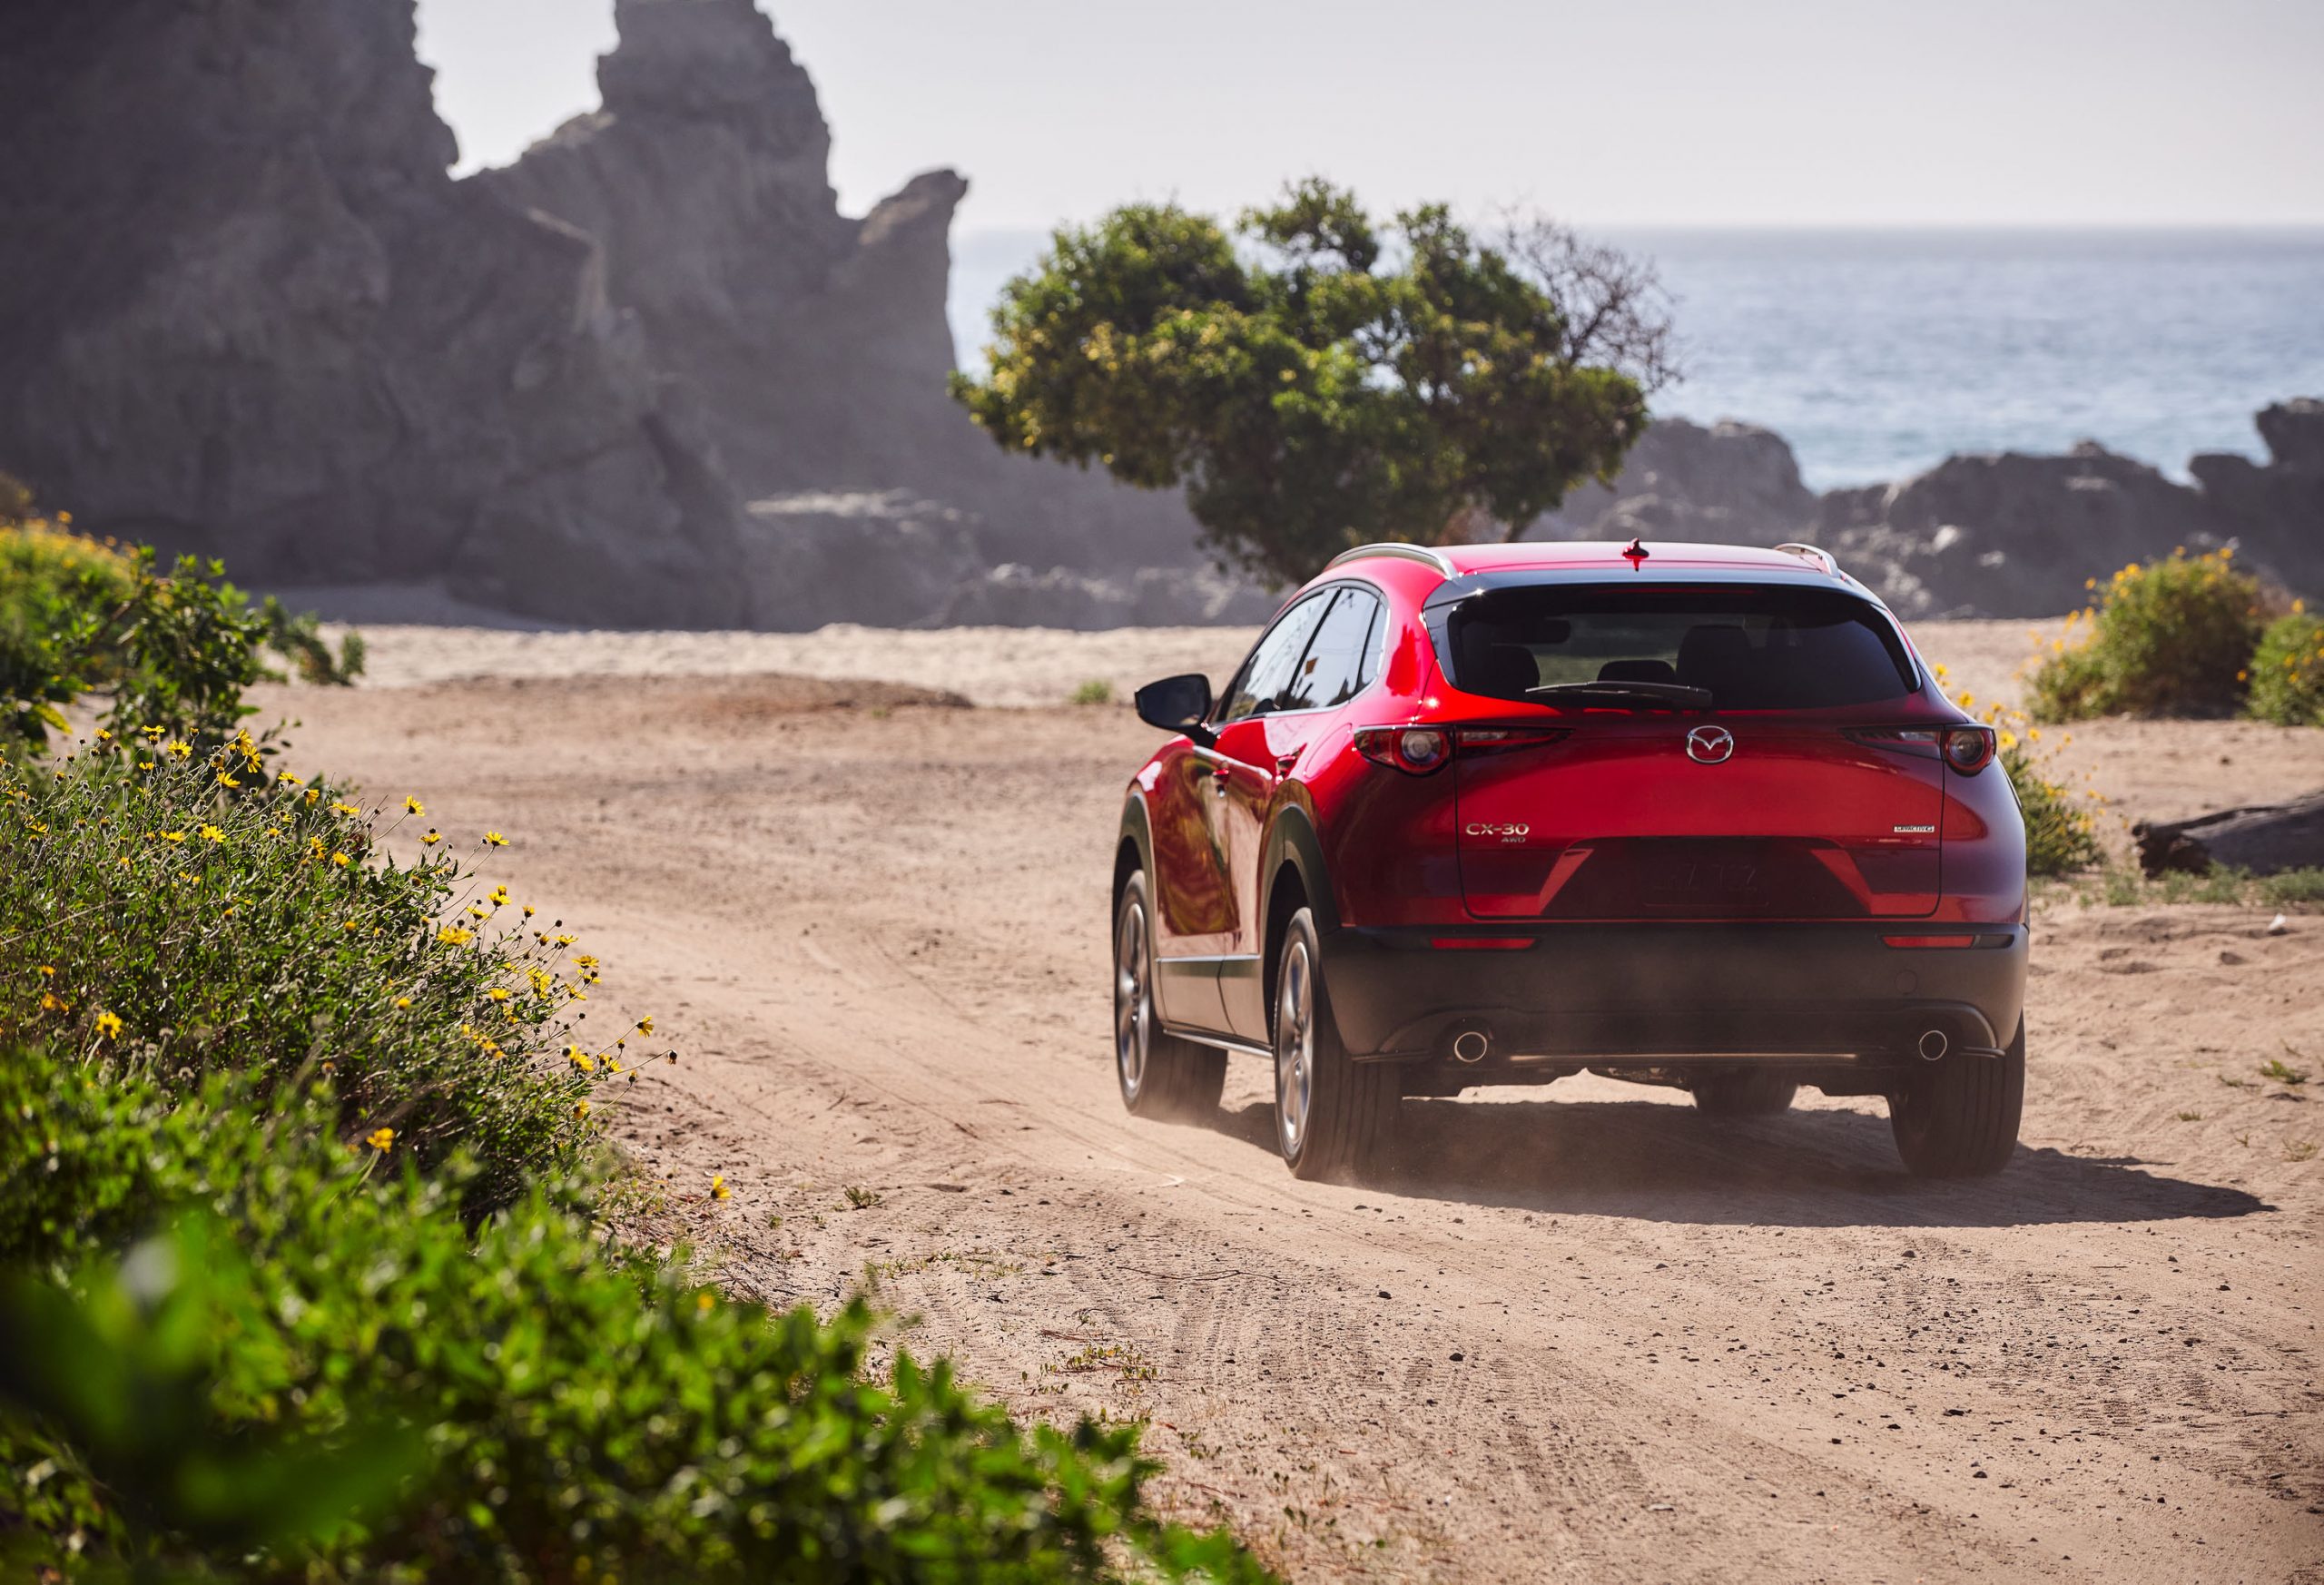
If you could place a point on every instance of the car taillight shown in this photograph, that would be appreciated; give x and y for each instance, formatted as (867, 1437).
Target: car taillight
(1968, 749)
(1926, 943)
(1414, 750)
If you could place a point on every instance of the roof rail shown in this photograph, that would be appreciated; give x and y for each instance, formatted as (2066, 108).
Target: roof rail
(1435, 558)
(1816, 554)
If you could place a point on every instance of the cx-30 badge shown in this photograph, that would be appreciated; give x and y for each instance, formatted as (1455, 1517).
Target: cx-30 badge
(1711, 745)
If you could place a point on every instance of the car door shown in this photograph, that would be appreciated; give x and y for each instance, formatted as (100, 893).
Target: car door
(1280, 721)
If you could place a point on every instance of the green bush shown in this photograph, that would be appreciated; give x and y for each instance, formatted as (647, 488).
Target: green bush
(196, 914)
(2061, 830)
(300, 1278)
(2288, 671)
(2172, 637)
(171, 649)
(433, 1403)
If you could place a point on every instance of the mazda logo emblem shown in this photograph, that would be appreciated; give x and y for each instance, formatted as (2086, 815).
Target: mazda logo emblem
(1711, 745)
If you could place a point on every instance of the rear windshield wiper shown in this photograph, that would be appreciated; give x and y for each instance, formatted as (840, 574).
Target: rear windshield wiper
(1636, 696)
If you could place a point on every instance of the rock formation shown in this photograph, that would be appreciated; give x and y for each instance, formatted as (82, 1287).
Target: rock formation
(818, 344)
(244, 310)
(1682, 480)
(247, 312)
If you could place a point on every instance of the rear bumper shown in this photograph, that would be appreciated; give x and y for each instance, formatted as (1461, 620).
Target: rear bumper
(1676, 991)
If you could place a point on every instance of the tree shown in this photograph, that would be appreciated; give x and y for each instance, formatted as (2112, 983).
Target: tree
(1313, 384)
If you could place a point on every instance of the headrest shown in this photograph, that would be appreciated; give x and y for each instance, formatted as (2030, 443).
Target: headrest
(1713, 656)
(1636, 671)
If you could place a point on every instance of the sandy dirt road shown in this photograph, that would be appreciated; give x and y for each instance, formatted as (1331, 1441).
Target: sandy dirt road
(1578, 1333)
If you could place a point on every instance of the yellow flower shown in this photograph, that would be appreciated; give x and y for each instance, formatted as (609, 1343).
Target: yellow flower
(432, 838)
(718, 1190)
(587, 959)
(497, 994)
(149, 733)
(226, 780)
(499, 897)
(288, 780)
(381, 1139)
(312, 797)
(566, 940)
(274, 831)
(453, 936)
(171, 836)
(540, 978)
(104, 736)
(51, 1002)
(580, 1058)
(412, 806)
(645, 1026)
(403, 1001)
(350, 925)
(211, 833)
(529, 910)
(108, 1025)
(495, 839)
(339, 808)
(48, 970)
(580, 1109)
(474, 912)
(180, 751)
(341, 860)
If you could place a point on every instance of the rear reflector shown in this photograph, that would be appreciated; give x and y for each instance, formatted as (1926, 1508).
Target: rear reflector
(1930, 941)
(1481, 943)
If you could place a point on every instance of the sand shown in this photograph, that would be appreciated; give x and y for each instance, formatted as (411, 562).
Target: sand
(1576, 1333)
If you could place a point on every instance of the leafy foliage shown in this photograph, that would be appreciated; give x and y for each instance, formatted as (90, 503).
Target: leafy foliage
(301, 1275)
(2060, 821)
(2168, 637)
(1322, 384)
(174, 648)
(2288, 671)
(556, 1416)
(194, 914)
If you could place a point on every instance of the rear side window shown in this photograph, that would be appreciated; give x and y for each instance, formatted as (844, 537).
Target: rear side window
(1261, 685)
(1753, 647)
(1339, 657)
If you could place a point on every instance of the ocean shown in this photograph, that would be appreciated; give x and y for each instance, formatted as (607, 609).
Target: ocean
(1877, 353)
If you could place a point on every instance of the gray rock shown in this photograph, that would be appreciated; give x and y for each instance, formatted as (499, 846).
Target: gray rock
(248, 313)
(1727, 482)
(2011, 535)
(1015, 596)
(819, 344)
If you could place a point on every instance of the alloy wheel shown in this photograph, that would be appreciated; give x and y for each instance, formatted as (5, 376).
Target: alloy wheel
(1133, 999)
(1295, 1049)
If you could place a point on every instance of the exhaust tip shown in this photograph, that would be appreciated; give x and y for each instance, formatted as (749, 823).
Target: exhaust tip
(1472, 1046)
(1934, 1045)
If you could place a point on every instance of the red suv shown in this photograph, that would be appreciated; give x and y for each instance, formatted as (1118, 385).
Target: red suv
(1686, 814)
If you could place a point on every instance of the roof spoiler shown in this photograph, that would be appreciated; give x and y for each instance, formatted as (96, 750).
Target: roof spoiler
(1823, 558)
(1421, 552)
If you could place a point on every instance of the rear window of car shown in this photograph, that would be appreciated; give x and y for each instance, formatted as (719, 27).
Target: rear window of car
(1754, 647)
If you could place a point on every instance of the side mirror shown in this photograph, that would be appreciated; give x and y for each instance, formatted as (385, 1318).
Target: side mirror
(1177, 705)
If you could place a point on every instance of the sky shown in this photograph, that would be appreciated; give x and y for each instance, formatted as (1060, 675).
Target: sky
(1641, 113)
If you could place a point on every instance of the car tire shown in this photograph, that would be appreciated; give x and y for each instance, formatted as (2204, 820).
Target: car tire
(1756, 1094)
(1161, 1074)
(1959, 1118)
(1330, 1114)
